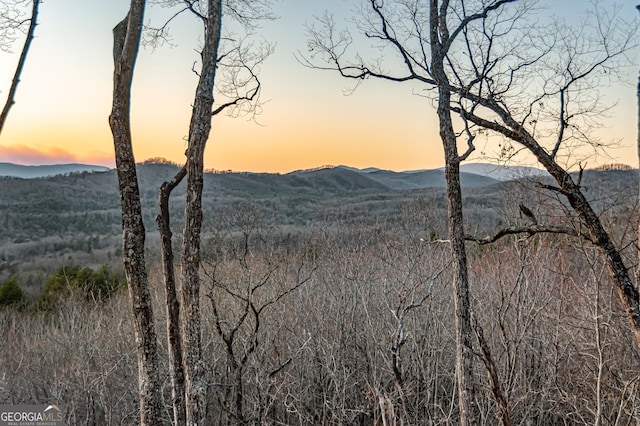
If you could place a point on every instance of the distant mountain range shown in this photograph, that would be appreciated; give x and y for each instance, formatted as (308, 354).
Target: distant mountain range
(84, 200)
(493, 171)
(501, 172)
(397, 180)
(29, 172)
(79, 209)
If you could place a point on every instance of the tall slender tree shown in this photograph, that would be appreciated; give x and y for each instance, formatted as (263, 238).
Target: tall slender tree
(199, 129)
(422, 34)
(125, 51)
(440, 41)
(240, 90)
(174, 339)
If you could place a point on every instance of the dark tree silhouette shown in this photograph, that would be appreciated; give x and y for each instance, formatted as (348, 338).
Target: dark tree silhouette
(12, 24)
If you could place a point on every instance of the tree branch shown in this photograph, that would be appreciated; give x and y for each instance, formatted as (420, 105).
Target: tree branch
(248, 97)
(531, 230)
(474, 17)
(23, 58)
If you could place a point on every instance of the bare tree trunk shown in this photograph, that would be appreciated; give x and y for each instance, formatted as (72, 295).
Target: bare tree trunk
(23, 58)
(492, 373)
(388, 415)
(627, 291)
(514, 130)
(126, 42)
(638, 147)
(176, 369)
(200, 127)
(462, 306)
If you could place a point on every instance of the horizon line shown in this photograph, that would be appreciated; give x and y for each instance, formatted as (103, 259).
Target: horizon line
(161, 160)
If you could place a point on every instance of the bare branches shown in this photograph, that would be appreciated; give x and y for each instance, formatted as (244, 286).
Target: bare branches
(8, 26)
(542, 76)
(13, 19)
(410, 299)
(330, 48)
(249, 13)
(550, 91)
(388, 35)
(577, 84)
(531, 230)
(467, 20)
(492, 372)
(250, 277)
(156, 36)
(238, 82)
(240, 57)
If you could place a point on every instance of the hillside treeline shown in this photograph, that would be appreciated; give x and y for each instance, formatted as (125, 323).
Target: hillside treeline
(47, 223)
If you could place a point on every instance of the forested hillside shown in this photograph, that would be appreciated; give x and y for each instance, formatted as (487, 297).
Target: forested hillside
(79, 213)
(342, 273)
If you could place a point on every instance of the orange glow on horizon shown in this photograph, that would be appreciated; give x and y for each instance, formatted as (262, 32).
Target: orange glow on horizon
(62, 106)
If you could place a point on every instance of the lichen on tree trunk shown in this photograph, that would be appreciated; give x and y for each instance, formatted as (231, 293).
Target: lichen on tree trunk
(126, 41)
(455, 223)
(199, 130)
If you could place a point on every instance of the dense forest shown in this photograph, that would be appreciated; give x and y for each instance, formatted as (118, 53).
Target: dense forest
(323, 312)
(78, 214)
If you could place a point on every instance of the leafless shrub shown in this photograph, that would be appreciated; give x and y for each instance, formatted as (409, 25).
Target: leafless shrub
(318, 327)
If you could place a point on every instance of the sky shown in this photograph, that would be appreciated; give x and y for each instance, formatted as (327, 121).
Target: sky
(64, 99)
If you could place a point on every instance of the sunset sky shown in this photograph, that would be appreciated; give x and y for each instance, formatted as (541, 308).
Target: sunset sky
(64, 99)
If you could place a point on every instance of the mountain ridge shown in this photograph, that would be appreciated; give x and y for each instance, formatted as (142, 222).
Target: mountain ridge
(74, 204)
(497, 172)
(76, 214)
(46, 170)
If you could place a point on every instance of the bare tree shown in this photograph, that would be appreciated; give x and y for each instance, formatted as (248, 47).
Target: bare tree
(545, 97)
(125, 49)
(423, 36)
(174, 341)
(195, 379)
(251, 276)
(239, 88)
(11, 21)
(532, 84)
(492, 373)
(638, 148)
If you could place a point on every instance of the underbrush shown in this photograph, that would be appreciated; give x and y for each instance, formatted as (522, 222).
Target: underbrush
(332, 327)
